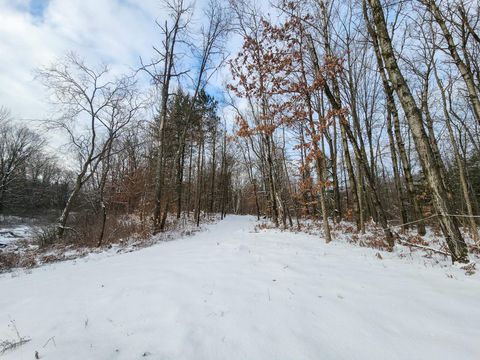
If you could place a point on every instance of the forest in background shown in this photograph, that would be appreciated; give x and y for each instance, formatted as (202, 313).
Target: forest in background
(359, 111)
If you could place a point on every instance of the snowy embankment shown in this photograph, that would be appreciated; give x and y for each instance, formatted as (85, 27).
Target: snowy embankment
(232, 293)
(11, 234)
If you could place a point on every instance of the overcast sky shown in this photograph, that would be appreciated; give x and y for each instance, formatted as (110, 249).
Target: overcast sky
(36, 32)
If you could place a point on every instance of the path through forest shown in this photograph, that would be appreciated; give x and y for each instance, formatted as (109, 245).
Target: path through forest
(232, 293)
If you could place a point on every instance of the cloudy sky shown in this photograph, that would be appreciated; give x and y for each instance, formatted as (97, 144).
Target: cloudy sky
(36, 32)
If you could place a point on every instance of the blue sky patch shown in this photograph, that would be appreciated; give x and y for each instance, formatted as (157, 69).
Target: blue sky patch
(37, 7)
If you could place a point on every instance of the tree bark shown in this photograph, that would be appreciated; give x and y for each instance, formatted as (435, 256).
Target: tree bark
(449, 224)
(336, 104)
(461, 169)
(392, 110)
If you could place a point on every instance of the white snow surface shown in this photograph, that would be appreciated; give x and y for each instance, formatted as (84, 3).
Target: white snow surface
(232, 293)
(11, 234)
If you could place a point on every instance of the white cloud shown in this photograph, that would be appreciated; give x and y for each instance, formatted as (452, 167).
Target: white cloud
(116, 32)
(33, 33)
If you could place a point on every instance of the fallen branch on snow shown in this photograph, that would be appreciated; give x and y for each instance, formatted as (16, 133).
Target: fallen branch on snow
(6, 345)
(403, 242)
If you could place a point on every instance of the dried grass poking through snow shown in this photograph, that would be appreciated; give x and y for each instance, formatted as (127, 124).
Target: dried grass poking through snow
(408, 244)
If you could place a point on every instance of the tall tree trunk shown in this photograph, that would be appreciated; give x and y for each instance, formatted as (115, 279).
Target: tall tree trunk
(306, 176)
(214, 166)
(224, 177)
(431, 132)
(103, 207)
(336, 105)
(200, 162)
(413, 114)
(320, 173)
(461, 169)
(180, 181)
(169, 42)
(396, 174)
(2, 198)
(392, 109)
(332, 145)
(62, 221)
(189, 188)
(253, 180)
(271, 180)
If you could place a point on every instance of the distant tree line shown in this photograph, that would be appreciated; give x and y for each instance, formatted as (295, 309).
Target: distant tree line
(31, 182)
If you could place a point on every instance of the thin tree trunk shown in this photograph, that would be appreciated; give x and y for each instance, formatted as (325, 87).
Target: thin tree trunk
(467, 76)
(271, 180)
(180, 182)
(392, 108)
(170, 42)
(336, 104)
(448, 224)
(189, 189)
(396, 174)
(214, 166)
(62, 221)
(320, 172)
(200, 162)
(224, 177)
(248, 160)
(461, 169)
(103, 207)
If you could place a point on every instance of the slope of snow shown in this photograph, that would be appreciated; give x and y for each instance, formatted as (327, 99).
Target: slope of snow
(232, 293)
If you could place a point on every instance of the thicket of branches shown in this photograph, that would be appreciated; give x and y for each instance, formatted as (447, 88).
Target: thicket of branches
(31, 181)
(361, 110)
(352, 110)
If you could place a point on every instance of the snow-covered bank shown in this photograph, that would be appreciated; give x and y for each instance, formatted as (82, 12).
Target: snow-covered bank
(232, 293)
(11, 234)
(27, 246)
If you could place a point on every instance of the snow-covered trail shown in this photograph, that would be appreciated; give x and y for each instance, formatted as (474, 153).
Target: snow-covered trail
(231, 293)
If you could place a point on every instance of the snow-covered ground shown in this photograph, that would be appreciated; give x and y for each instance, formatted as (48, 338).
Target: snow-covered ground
(232, 293)
(10, 234)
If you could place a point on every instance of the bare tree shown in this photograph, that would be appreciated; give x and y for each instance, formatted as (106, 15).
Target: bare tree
(162, 71)
(462, 64)
(429, 162)
(91, 106)
(165, 69)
